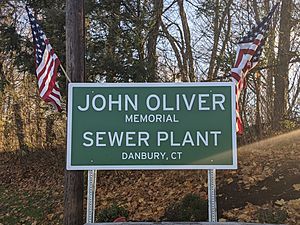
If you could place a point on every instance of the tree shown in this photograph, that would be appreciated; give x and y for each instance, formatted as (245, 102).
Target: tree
(219, 24)
(282, 70)
(122, 40)
(188, 59)
(152, 40)
(177, 33)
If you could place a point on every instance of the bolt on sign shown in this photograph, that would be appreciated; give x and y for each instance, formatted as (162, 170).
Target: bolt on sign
(151, 126)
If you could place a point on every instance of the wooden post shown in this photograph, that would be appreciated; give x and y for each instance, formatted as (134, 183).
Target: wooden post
(75, 36)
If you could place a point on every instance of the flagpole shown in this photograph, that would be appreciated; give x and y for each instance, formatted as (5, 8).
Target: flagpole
(68, 78)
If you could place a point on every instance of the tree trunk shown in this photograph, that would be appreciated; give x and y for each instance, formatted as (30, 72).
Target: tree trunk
(214, 59)
(38, 123)
(152, 40)
(188, 56)
(217, 31)
(256, 11)
(75, 37)
(270, 55)
(20, 128)
(112, 39)
(281, 76)
(257, 86)
(175, 48)
(50, 134)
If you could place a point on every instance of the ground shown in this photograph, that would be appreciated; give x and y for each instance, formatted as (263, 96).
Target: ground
(266, 184)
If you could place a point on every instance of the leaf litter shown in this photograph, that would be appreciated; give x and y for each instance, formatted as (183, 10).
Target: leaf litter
(37, 180)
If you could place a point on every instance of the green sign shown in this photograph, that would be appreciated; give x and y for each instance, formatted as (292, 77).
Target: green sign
(151, 126)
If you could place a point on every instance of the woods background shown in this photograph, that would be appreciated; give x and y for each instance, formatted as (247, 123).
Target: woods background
(150, 41)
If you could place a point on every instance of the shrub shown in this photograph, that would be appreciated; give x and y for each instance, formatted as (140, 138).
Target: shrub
(112, 212)
(272, 216)
(190, 208)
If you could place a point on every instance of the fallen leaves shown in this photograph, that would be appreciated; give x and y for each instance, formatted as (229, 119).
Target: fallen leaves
(296, 187)
(229, 180)
(280, 202)
(264, 188)
(150, 192)
(293, 209)
(146, 194)
(50, 216)
(246, 214)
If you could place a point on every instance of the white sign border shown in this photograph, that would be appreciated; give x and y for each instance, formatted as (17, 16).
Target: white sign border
(151, 167)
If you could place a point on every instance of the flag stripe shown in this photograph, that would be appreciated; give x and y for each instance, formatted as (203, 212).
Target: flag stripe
(50, 75)
(57, 93)
(46, 75)
(51, 82)
(56, 99)
(43, 67)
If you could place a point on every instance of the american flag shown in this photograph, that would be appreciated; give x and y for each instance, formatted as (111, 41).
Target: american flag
(46, 64)
(249, 50)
